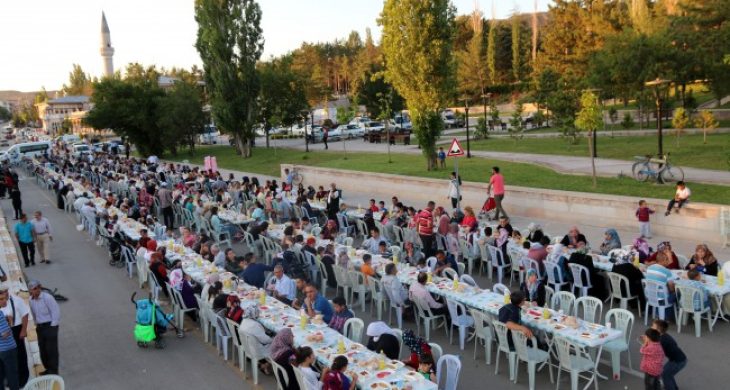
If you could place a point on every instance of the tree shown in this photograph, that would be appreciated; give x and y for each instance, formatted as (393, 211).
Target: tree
(680, 121)
(538, 118)
(516, 126)
(613, 115)
(345, 114)
(472, 62)
(373, 87)
(417, 41)
(706, 121)
(5, 114)
(492, 51)
(494, 115)
(482, 129)
(79, 83)
(515, 43)
(282, 94)
(590, 119)
(230, 42)
(180, 116)
(628, 121)
(66, 126)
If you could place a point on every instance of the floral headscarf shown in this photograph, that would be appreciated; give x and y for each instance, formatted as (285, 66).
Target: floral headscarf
(503, 237)
(251, 312)
(663, 245)
(642, 246)
(282, 343)
(176, 278)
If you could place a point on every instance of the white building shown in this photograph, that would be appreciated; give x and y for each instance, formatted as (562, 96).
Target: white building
(54, 111)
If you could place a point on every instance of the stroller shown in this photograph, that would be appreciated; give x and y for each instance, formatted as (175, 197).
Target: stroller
(151, 322)
(488, 209)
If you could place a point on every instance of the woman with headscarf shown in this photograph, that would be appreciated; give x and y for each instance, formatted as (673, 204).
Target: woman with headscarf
(536, 232)
(581, 256)
(610, 241)
(183, 283)
(664, 256)
(533, 288)
(452, 240)
(557, 255)
(329, 231)
(443, 221)
(641, 247)
(382, 339)
(262, 343)
(282, 350)
(234, 312)
(703, 261)
(502, 242)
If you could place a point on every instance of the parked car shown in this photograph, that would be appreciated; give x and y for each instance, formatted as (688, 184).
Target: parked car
(374, 126)
(350, 131)
(402, 122)
(451, 120)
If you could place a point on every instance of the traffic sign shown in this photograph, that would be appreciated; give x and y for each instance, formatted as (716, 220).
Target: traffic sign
(455, 150)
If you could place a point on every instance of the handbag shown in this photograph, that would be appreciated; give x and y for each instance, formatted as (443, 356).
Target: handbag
(146, 333)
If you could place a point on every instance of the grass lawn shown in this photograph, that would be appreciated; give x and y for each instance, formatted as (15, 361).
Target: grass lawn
(691, 151)
(474, 169)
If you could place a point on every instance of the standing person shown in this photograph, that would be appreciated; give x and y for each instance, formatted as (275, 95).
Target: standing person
(442, 157)
(642, 214)
(47, 317)
(681, 196)
(8, 356)
(17, 202)
(26, 237)
(17, 311)
(165, 197)
(454, 195)
(424, 227)
(325, 135)
(676, 359)
(333, 202)
(497, 182)
(43, 236)
(652, 359)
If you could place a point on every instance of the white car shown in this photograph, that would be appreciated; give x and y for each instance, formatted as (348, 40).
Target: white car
(374, 126)
(350, 131)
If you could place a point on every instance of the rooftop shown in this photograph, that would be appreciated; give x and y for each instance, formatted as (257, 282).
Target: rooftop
(80, 99)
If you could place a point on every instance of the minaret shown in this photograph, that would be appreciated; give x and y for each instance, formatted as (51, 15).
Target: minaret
(106, 49)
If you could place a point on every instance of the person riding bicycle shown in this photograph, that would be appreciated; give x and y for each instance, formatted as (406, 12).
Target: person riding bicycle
(681, 196)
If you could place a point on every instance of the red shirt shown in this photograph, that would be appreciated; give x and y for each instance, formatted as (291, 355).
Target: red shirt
(652, 358)
(425, 222)
(374, 208)
(469, 221)
(497, 182)
(642, 213)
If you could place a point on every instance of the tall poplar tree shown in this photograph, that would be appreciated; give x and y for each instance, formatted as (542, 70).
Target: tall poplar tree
(230, 42)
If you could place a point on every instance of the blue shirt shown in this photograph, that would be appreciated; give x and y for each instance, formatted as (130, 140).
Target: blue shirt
(24, 232)
(322, 305)
(658, 273)
(258, 214)
(254, 274)
(702, 298)
(7, 342)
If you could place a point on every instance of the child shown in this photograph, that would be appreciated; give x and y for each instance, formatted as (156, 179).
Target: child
(652, 359)
(341, 315)
(642, 214)
(304, 357)
(366, 268)
(425, 367)
(442, 158)
(421, 266)
(335, 378)
(676, 359)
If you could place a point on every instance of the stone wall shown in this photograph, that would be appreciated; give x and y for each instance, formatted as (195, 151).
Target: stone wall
(698, 221)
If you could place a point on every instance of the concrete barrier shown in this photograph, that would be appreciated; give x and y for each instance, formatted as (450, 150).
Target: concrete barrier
(699, 222)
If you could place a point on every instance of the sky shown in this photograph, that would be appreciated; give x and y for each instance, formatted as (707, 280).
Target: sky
(40, 40)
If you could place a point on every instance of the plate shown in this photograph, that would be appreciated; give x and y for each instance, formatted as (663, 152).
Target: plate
(559, 327)
(380, 385)
(383, 374)
(264, 307)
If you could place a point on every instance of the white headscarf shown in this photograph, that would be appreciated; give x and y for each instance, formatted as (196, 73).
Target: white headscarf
(377, 329)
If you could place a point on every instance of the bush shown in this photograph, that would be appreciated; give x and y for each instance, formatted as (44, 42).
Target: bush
(628, 121)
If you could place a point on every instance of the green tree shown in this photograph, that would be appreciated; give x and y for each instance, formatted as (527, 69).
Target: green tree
(494, 115)
(628, 121)
(515, 44)
(373, 87)
(180, 116)
(472, 62)
(417, 43)
(5, 114)
(66, 126)
(282, 94)
(79, 83)
(482, 129)
(613, 115)
(590, 119)
(680, 121)
(516, 124)
(230, 42)
(706, 121)
(345, 114)
(492, 51)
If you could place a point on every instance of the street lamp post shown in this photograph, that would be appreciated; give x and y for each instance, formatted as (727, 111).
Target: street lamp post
(466, 110)
(658, 84)
(304, 114)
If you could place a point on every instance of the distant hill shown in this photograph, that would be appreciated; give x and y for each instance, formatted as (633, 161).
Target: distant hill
(17, 98)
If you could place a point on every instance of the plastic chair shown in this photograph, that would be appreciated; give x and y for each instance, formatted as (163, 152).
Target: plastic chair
(282, 377)
(486, 260)
(620, 290)
(431, 263)
(142, 268)
(554, 275)
(500, 289)
(203, 317)
(498, 262)
(576, 360)
(353, 329)
(530, 355)
(299, 377)
(399, 335)
(483, 331)
(500, 330)
(357, 286)
(467, 279)
(688, 297)
(377, 296)
(45, 382)
(238, 344)
(316, 231)
(395, 306)
(467, 254)
(563, 300)
(622, 320)
(452, 366)
(549, 292)
(130, 259)
(436, 351)
(657, 297)
(222, 335)
(449, 273)
(589, 309)
(683, 261)
(343, 281)
(578, 272)
(251, 353)
(427, 317)
(463, 321)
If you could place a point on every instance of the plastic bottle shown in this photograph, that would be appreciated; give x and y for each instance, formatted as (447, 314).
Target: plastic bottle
(429, 277)
(302, 319)
(381, 365)
(456, 283)
(721, 278)
(340, 346)
(262, 297)
(506, 297)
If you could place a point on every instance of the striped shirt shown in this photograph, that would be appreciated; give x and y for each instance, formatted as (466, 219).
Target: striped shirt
(7, 342)
(658, 273)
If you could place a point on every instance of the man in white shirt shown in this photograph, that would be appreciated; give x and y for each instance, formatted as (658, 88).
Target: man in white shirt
(16, 311)
(372, 244)
(43, 234)
(681, 196)
(81, 201)
(281, 286)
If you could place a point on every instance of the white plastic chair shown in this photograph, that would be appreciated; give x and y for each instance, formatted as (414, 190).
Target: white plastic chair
(500, 330)
(467, 279)
(353, 329)
(357, 286)
(431, 263)
(449, 273)
(399, 335)
(426, 317)
(530, 355)
(45, 382)
(501, 289)
(463, 321)
(549, 292)
(467, 254)
(683, 261)
(452, 366)
(589, 309)
(483, 331)
(238, 344)
(486, 260)
(563, 300)
(282, 377)
(251, 353)
(620, 290)
(657, 297)
(181, 307)
(377, 297)
(687, 296)
(394, 306)
(583, 285)
(576, 360)
(554, 275)
(142, 270)
(130, 259)
(498, 262)
(622, 320)
(203, 314)
(222, 335)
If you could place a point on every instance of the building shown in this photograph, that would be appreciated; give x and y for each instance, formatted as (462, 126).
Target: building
(106, 50)
(53, 112)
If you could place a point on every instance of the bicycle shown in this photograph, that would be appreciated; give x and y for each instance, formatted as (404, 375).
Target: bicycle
(660, 169)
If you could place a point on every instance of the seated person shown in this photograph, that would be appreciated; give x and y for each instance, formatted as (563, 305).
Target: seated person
(382, 339)
(510, 313)
(681, 196)
(445, 261)
(574, 237)
(658, 273)
(610, 242)
(366, 268)
(694, 279)
(411, 255)
(418, 291)
(315, 304)
(538, 250)
(664, 256)
(372, 243)
(281, 286)
(533, 288)
(394, 287)
(470, 220)
(300, 282)
(383, 250)
(341, 314)
(704, 261)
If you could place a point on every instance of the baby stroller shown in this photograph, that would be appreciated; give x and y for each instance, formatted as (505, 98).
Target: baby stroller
(152, 322)
(488, 209)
